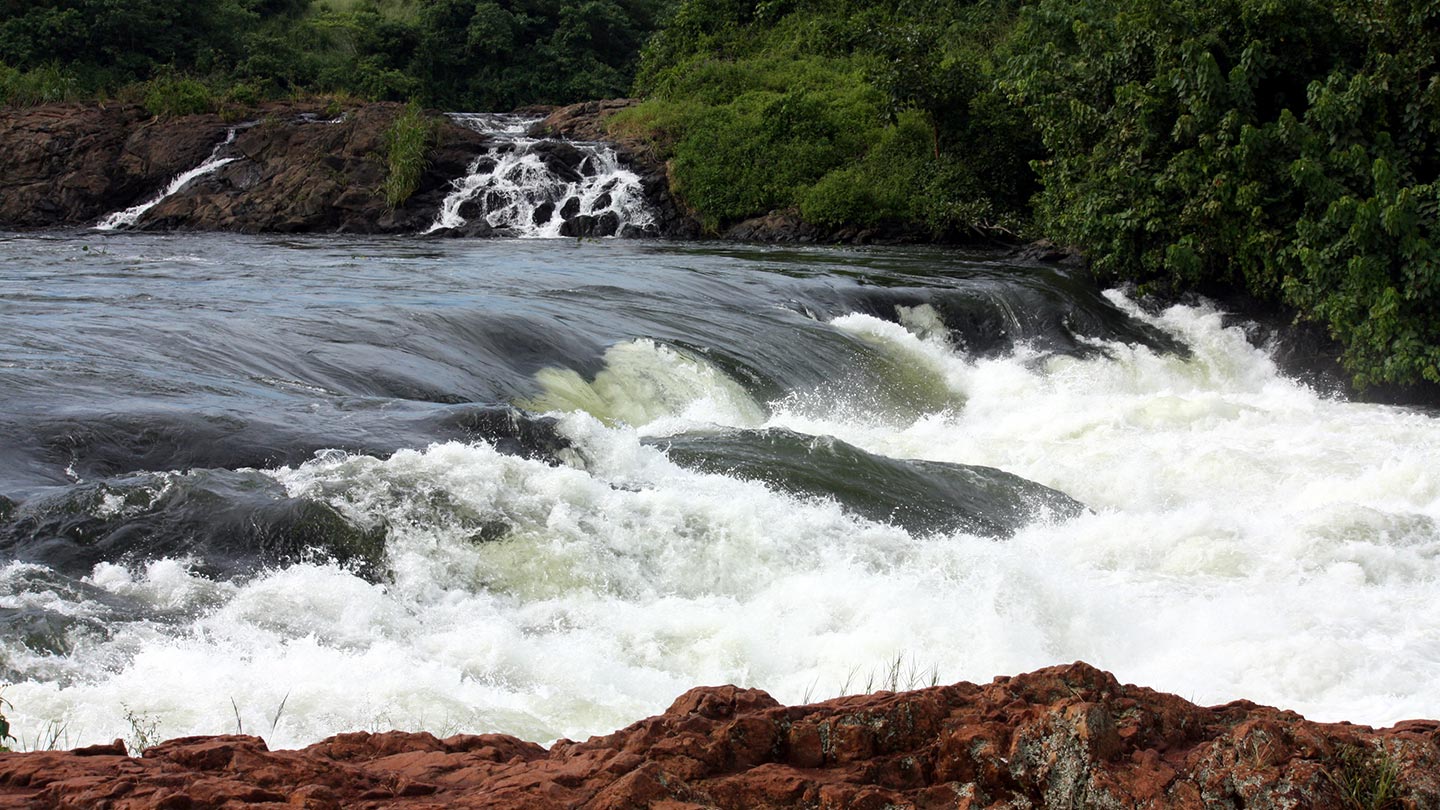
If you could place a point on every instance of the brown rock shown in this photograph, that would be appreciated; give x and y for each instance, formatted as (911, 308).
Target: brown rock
(1061, 737)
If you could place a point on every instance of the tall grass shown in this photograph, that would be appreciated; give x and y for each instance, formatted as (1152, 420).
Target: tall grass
(407, 145)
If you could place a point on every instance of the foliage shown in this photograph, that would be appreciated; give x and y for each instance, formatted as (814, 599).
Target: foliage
(461, 54)
(171, 95)
(870, 114)
(41, 85)
(407, 144)
(1289, 147)
(144, 730)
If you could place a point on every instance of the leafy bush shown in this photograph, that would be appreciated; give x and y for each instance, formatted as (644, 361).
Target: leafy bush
(42, 85)
(858, 114)
(1289, 147)
(172, 95)
(407, 144)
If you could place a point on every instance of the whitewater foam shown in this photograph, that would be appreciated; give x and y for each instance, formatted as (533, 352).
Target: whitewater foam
(517, 191)
(1247, 538)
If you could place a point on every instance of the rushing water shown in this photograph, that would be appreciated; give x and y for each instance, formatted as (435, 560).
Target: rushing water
(543, 188)
(312, 483)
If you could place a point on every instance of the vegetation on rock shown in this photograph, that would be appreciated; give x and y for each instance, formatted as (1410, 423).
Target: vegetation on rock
(407, 145)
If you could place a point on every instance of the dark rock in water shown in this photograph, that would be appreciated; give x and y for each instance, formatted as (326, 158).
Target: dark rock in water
(510, 430)
(543, 213)
(7, 508)
(776, 226)
(561, 158)
(1044, 251)
(1062, 737)
(45, 631)
(585, 225)
(571, 208)
(72, 165)
(231, 523)
(586, 122)
(920, 496)
(295, 169)
(602, 202)
(67, 164)
(473, 208)
(473, 228)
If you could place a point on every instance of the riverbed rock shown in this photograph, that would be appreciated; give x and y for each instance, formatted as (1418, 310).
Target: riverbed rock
(71, 164)
(1062, 737)
(587, 121)
(295, 167)
(297, 175)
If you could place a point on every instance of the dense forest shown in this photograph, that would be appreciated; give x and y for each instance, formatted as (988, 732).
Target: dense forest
(1286, 148)
(456, 54)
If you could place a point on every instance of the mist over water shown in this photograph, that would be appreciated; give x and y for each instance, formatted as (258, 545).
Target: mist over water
(542, 488)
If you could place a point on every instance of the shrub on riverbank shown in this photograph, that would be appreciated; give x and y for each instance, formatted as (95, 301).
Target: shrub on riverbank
(1285, 147)
(855, 113)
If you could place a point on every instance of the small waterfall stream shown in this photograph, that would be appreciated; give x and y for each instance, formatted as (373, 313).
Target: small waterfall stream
(218, 158)
(540, 188)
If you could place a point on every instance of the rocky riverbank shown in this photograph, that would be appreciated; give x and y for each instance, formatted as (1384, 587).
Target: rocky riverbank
(1062, 737)
(299, 168)
(291, 168)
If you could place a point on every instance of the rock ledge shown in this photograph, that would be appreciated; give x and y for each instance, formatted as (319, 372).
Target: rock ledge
(1063, 737)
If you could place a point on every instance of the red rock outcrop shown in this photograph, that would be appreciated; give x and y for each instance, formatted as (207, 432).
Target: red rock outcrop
(1063, 737)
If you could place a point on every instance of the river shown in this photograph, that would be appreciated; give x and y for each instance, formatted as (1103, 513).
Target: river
(299, 486)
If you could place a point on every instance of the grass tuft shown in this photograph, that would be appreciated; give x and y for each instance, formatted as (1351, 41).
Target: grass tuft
(407, 145)
(1366, 779)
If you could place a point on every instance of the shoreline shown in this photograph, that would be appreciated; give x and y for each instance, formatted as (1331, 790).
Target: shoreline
(1063, 736)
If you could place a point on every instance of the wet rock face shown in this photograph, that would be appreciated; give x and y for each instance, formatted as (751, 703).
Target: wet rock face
(294, 170)
(297, 175)
(69, 164)
(1063, 737)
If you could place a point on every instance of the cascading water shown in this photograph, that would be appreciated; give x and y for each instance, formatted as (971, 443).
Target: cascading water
(515, 486)
(530, 187)
(218, 157)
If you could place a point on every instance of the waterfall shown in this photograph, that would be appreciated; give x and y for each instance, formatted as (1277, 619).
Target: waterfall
(131, 215)
(543, 188)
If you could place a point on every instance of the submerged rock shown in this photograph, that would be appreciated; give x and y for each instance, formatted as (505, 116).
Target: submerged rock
(1062, 737)
(919, 496)
(229, 522)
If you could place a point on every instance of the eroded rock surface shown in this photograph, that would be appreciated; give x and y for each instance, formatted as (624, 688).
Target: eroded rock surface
(290, 168)
(1062, 737)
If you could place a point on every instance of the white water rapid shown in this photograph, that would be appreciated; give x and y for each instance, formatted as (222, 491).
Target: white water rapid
(1245, 538)
(535, 188)
(128, 217)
